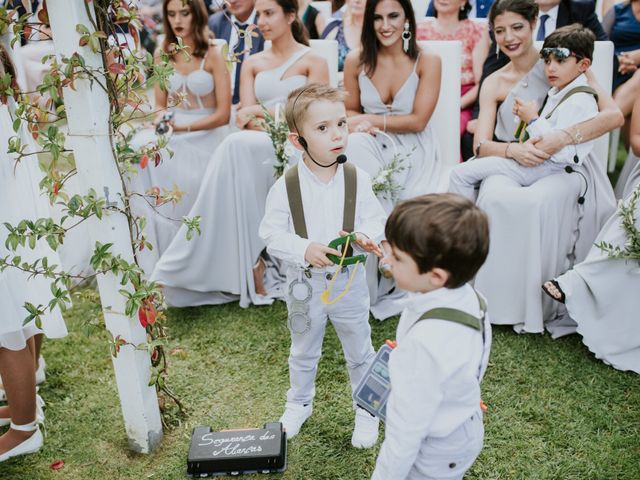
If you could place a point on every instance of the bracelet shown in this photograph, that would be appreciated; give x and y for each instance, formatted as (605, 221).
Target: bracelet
(506, 151)
(566, 132)
(189, 128)
(477, 152)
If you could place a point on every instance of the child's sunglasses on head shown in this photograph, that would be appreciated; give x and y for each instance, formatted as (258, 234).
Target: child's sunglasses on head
(559, 53)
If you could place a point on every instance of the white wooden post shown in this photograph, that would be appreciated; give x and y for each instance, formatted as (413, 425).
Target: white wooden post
(87, 109)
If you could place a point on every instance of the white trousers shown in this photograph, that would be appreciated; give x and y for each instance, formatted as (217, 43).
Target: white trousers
(350, 318)
(448, 458)
(466, 177)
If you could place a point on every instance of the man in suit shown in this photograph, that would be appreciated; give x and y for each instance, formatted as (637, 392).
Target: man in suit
(238, 14)
(553, 14)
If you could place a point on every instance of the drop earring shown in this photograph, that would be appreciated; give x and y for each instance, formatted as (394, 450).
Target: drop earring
(497, 51)
(406, 36)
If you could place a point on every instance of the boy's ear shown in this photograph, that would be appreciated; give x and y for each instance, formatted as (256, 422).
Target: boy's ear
(439, 277)
(294, 138)
(584, 65)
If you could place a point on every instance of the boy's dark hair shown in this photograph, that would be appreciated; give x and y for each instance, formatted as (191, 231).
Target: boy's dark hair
(527, 9)
(577, 38)
(441, 230)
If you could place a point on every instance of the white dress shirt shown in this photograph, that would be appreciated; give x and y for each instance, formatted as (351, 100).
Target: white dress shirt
(434, 377)
(550, 24)
(578, 108)
(323, 209)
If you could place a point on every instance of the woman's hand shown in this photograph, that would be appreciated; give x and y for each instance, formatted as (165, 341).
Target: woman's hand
(626, 63)
(526, 154)
(244, 115)
(360, 123)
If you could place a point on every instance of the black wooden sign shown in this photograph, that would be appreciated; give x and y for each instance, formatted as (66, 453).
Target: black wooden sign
(233, 452)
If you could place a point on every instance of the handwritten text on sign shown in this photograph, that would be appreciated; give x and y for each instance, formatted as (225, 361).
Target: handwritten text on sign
(238, 445)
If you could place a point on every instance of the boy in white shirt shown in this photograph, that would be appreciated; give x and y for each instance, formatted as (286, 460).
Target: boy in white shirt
(567, 54)
(314, 202)
(434, 424)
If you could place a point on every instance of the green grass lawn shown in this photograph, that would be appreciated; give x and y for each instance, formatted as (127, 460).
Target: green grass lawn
(555, 412)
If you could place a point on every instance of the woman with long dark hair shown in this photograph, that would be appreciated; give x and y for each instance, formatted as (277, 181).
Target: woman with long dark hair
(393, 88)
(198, 97)
(224, 262)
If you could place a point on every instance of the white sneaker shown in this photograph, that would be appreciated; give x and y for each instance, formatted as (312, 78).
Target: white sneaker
(293, 417)
(30, 445)
(365, 432)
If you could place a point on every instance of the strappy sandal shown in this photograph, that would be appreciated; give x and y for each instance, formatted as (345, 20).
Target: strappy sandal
(258, 276)
(30, 445)
(546, 288)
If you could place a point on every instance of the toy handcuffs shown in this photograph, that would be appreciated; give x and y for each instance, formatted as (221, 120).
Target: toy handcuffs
(300, 293)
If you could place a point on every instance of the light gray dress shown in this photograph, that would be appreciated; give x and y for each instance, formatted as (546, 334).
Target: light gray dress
(183, 171)
(629, 176)
(373, 153)
(537, 232)
(602, 297)
(215, 267)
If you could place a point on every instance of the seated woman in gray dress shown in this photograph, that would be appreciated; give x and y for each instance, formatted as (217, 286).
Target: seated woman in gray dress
(538, 231)
(217, 266)
(393, 89)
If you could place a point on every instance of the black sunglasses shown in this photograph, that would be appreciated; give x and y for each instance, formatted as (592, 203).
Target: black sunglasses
(560, 53)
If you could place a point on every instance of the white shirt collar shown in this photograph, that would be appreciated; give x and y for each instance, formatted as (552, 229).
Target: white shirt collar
(553, 13)
(250, 20)
(307, 171)
(421, 302)
(579, 81)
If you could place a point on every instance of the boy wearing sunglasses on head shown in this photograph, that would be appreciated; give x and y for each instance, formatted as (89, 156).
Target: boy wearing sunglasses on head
(567, 54)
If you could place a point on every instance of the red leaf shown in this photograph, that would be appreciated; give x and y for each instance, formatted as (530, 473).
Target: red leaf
(116, 68)
(144, 161)
(84, 41)
(157, 158)
(56, 188)
(57, 465)
(155, 355)
(142, 317)
(151, 313)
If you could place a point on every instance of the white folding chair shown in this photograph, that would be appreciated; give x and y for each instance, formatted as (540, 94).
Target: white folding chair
(420, 8)
(446, 117)
(324, 7)
(328, 49)
(602, 69)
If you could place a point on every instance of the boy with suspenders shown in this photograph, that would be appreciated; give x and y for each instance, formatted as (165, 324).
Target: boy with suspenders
(316, 201)
(434, 426)
(567, 54)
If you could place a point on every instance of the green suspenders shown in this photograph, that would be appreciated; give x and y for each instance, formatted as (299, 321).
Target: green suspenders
(581, 89)
(292, 182)
(458, 316)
